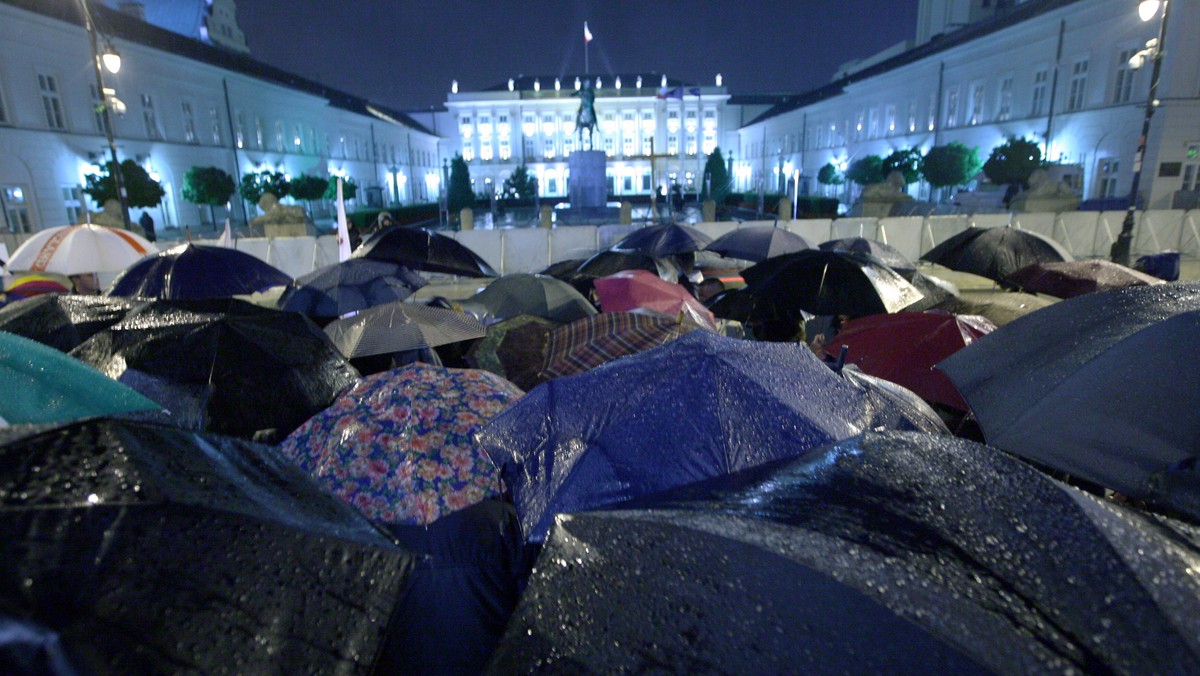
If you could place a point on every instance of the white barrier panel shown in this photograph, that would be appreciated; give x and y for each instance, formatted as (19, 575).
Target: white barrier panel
(294, 255)
(608, 235)
(526, 249)
(990, 220)
(815, 230)
(573, 241)
(1041, 223)
(259, 247)
(855, 227)
(1159, 231)
(488, 244)
(903, 233)
(1189, 239)
(1076, 230)
(938, 229)
(1108, 226)
(715, 230)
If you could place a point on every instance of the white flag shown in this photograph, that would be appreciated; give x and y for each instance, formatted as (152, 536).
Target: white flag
(587, 34)
(343, 232)
(226, 239)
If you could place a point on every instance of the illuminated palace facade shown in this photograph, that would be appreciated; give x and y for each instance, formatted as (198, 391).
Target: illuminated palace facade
(193, 97)
(655, 130)
(979, 72)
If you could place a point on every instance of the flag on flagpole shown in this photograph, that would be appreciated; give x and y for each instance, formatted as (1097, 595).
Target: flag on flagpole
(587, 34)
(672, 93)
(343, 228)
(226, 239)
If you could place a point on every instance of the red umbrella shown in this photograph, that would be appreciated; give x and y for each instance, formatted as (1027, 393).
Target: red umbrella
(903, 348)
(632, 289)
(1067, 279)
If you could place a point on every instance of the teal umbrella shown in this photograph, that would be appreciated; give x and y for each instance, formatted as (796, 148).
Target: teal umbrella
(56, 388)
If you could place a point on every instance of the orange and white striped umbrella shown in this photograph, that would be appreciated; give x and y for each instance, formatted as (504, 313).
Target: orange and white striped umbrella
(80, 249)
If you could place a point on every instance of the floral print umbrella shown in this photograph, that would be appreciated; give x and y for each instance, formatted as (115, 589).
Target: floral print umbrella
(400, 445)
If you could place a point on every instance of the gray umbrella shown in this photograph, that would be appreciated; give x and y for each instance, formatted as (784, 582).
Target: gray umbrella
(400, 327)
(524, 294)
(896, 552)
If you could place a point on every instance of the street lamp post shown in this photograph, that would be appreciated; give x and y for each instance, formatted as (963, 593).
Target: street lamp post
(112, 61)
(1119, 253)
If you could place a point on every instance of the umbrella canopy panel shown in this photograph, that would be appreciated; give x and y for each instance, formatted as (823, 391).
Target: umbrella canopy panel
(514, 349)
(758, 243)
(884, 253)
(538, 295)
(44, 386)
(1067, 279)
(588, 343)
(700, 406)
(424, 250)
(831, 283)
(246, 368)
(400, 445)
(399, 327)
(197, 271)
(80, 249)
(151, 548)
(63, 321)
(349, 286)
(669, 239)
(632, 289)
(894, 552)
(995, 253)
(1096, 386)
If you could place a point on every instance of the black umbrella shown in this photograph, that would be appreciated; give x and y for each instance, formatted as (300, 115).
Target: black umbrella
(401, 327)
(757, 243)
(63, 321)
(890, 552)
(669, 239)
(151, 549)
(1100, 386)
(229, 367)
(995, 253)
(606, 263)
(196, 271)
(349, 286)
(538, 295)
(423, 250)
(885, 253)
(831, 283)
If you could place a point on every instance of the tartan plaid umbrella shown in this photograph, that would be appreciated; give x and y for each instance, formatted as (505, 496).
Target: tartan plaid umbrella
(401, 445)
(588, 343)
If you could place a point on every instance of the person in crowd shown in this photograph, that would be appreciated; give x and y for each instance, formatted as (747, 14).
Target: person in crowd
(86, 284)
(709, 287)
(147, 223)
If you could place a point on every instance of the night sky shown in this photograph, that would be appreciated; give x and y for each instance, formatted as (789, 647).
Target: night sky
(405, 54)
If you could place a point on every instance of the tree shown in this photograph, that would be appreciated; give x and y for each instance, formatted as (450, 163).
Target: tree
(349, 189)
(1012, 162)
(866, 170)
(208, 185)
(459, 194)
(309, 188)
(140, 190)
(521, 184)
(907, 162)
(255, 185)
(951, 164)
(716, 178)
(829, 175)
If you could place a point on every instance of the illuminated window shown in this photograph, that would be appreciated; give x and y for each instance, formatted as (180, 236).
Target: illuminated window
(214, 119)
(548, 126)
(977, 103)
(72, 196)
(51, 101)
(672, 144)
(710, 142)
(672, 121)
(952, 106)
(1078, 86)
(16, 209)
(1106, 185)
(1123, 83)
(150, 118)
(485, 151)
(1038, 98)
(690, 122)
(505, 149)
(912, 115)
(239, 131)
(1004, 104)
(259, 137)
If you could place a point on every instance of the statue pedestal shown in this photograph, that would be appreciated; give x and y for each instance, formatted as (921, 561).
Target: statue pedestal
(588, 185)
(877, 208)
(271, 230)
(1048, 204)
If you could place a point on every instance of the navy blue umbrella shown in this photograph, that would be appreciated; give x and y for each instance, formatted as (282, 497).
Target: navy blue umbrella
(886, 553)
(701, 406)
(663, 240)
(196, 271)
(349, 286)
(424, 250)
(758, 242)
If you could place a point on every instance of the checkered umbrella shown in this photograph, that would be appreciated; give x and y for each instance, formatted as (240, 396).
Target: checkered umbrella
(587, 343)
